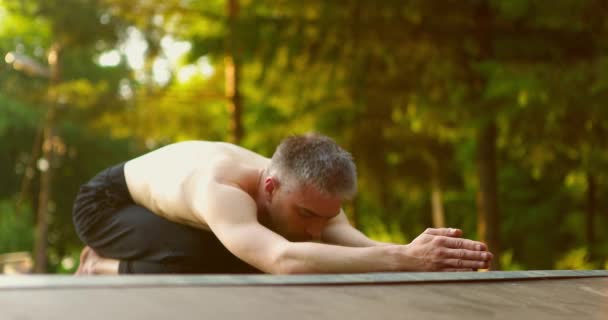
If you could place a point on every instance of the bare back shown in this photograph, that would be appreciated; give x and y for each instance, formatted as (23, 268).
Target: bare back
(158, 180)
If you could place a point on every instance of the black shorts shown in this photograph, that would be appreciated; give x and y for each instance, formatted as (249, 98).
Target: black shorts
(107, 219)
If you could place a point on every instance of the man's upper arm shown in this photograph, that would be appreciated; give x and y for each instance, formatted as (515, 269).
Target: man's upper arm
(339, 231)
(231, 214)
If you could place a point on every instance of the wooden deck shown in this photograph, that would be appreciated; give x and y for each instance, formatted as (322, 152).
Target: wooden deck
(483, 295)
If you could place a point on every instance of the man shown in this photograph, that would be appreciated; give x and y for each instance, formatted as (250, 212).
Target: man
(212, 207)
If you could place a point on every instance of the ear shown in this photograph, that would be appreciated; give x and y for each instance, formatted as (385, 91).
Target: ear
(271, 185)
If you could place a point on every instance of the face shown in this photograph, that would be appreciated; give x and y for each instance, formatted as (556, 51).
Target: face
(299, 214)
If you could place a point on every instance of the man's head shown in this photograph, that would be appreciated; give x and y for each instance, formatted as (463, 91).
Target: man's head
(308, 178)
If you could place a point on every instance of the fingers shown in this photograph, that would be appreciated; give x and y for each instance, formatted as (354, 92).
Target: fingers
(457, 270)
(447, 251)
(457, 243)
(467, 254)
(460, 264)
(462, 258)
(446, 232)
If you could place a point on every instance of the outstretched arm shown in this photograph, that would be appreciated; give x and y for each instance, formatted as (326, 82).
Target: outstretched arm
(433, 248)
(231, 215)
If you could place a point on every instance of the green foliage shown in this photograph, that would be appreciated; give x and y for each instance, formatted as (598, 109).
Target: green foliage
(18, 124)
(16, 227)
(576, 259)
(507, 263)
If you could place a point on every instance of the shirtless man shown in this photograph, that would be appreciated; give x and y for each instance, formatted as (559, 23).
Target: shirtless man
(213, 207)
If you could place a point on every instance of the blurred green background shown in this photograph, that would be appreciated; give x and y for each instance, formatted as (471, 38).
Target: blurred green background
(489, 116)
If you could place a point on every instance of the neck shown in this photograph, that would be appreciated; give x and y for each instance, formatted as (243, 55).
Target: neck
(259, 196)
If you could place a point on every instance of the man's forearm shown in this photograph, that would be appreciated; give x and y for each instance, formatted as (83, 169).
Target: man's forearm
(308, 257)
(434, 250)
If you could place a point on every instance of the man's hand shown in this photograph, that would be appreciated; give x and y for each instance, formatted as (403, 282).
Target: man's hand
(445, 250)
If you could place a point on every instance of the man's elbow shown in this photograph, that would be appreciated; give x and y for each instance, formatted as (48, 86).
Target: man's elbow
(287, 263)
(293, 267)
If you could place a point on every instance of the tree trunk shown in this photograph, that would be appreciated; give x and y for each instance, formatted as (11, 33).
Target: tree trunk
(487, 195)
(437, 212)
(44, 198)
(437, 199)
(355, 214)
(232, 74)
(487, 169)
(590, 215)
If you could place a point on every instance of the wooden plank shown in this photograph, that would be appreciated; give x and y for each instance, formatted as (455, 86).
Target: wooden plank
(15, 282)
(553, 298)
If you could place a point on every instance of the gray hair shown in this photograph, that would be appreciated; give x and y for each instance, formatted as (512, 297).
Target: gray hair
(316, 160)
